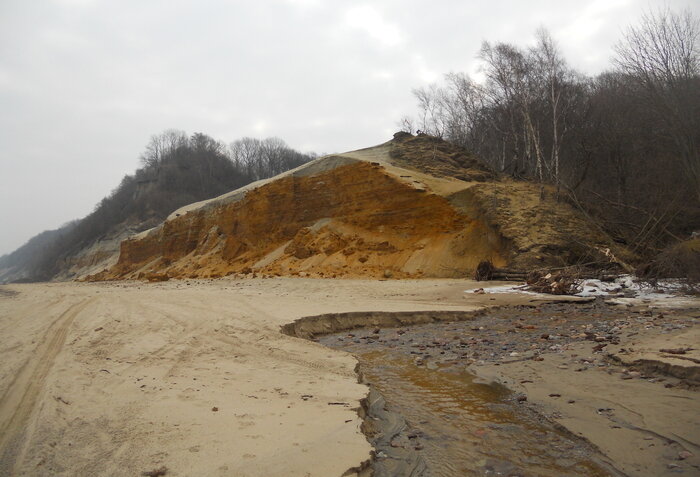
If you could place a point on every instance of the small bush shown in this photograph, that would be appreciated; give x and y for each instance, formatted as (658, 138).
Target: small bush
(681, 261)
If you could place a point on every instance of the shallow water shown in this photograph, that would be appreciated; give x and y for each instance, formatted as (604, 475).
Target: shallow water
(461, 426)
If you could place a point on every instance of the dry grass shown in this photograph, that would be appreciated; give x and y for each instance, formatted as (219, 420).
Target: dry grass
(680, 261)
(439, 158)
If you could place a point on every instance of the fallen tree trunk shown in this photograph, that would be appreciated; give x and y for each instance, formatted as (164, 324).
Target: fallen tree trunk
(486, 271)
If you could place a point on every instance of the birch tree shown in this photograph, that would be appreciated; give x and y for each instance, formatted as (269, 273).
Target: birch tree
(661, 54)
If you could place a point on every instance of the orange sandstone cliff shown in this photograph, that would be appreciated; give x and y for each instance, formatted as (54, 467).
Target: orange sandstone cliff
(412, 207)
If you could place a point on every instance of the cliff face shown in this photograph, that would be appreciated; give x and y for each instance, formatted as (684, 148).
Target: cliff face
(99, 255)
(353, 220)
(378, 212)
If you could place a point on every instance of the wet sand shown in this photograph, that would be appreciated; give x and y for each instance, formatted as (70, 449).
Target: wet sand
(195, 376)
(550, 359)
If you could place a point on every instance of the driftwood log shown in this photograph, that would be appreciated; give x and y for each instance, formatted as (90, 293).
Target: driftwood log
(557, 283)
(487, 271)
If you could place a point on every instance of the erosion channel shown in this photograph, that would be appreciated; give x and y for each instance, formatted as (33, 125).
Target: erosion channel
(428, 414)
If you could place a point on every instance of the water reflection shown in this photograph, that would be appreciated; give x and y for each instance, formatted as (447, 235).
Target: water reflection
(467, 427)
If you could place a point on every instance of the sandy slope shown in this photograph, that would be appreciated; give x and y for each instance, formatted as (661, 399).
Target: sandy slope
(121, 378)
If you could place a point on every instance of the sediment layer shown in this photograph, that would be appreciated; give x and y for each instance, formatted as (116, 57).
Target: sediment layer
(354, 220)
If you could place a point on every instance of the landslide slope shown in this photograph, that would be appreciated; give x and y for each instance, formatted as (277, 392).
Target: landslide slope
(414, 206)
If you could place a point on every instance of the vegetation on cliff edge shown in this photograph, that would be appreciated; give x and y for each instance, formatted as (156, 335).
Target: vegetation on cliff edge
(177, 170)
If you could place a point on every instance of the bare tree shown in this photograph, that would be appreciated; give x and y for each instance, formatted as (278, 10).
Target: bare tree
(266, 157)
(661, 54)
(245, 154)
(509, 73)
(551, 72)
(273, 150)
(662, 49)
(464, 103)
(160, 145)
(431, 102)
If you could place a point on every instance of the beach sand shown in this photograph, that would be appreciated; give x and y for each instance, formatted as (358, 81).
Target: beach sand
(121, 378)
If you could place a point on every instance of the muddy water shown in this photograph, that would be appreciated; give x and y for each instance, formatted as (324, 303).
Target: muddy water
(458, 425)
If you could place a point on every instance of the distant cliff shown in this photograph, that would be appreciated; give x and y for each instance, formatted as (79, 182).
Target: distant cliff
(177, 170)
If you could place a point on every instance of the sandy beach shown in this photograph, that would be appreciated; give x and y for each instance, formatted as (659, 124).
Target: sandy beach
(118, 379)
(122, 378)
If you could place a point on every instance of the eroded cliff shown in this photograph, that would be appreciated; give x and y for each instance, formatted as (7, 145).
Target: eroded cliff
(412, 207)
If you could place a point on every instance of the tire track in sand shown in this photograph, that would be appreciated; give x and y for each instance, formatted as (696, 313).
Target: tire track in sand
(18, 402)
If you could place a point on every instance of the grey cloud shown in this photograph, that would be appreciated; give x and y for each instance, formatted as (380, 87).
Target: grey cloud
(83, 84)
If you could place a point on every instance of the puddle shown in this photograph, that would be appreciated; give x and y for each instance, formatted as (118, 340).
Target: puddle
(456, 424)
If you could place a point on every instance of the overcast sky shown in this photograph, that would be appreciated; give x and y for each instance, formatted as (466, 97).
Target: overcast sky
(85, 83)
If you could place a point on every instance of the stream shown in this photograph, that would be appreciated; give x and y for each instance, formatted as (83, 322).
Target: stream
(455, 424)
